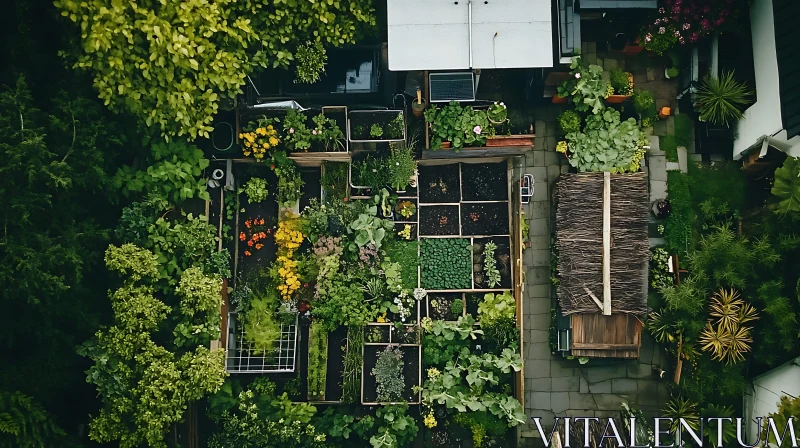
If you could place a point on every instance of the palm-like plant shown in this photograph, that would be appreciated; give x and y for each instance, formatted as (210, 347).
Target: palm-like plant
(739, 345)
(728, 431)
(721, 100)
(725, 306)
(679, 407)
(724, 335)
(715, 340)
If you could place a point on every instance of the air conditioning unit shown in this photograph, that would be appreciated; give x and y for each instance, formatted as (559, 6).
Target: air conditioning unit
(455, 86)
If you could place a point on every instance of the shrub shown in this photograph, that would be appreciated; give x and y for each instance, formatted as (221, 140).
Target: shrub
(310, 59)
(607, 144)
(457, 307)
(721, 100)
(388, 373)
(569, 121)
(586, 87)
(462, 126)
(490, 265)
(256, 190)
(621, 82)
(678, 228)
(643, 102)
(400, 166)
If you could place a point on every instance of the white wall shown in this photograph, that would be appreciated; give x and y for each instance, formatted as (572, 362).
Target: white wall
(763, 117)
(768, 390)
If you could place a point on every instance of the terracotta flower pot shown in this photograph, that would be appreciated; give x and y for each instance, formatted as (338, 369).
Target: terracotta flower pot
(617, 99)
(418, 108)
(445, 145)
(559, 99)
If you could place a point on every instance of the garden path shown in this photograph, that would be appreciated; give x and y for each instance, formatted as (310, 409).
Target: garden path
(554, 385)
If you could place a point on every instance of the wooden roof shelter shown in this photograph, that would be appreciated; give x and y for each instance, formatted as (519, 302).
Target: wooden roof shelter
(603, 254)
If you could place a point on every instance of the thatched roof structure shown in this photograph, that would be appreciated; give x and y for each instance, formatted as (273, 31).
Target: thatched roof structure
(579, 242)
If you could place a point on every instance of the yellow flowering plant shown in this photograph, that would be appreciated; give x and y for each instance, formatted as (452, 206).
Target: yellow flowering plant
(259, 137)
(287, 239)
(561, 147)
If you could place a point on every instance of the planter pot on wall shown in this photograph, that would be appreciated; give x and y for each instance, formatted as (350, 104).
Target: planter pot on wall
(559, 99)
(510, 140)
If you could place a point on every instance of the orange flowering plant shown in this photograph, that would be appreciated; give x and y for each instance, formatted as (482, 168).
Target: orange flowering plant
(256, 231)
(259, 137)
(288, 238)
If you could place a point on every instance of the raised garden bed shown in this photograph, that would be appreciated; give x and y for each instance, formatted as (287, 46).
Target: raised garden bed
(365, 126)
(439, 184)
(446, 263)
(406, 205)
(444, 306)
(484, 181)
(399, 227)
(411, 373)
(439, 220)
(484, 218)
(502, 262)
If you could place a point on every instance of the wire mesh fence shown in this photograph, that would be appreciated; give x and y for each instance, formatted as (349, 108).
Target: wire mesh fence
(243, 357)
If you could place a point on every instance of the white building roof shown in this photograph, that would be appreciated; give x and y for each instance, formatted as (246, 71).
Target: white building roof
(466, 34)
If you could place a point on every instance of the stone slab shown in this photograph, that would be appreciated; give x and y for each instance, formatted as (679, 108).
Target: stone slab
(538, 210)
(670, 124)
(658, 190)
(538, 400)
(673, 166)
(567, 384)
(683, 159)
(657, 168)
(623, 386)
(539, 226)
(559, 402)
(660, 128)
(655, 147)
(537, 385)
(553, 171)
(602, 387)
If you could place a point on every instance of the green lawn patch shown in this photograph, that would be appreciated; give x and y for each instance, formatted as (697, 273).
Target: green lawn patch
(683, 129)
(678, 228)
(669, 145)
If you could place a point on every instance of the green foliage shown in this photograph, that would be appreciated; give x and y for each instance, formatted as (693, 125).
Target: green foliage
(334, 181)
(144, 387)
(371, 172)
(328, 133)
(401, 166)
(310, 59)
(569, 121)
(289, 180)
(200, 304)
(353, 361)
(481, 424)
(490, 265)
(462, 126)
(369, 229)
(24, 423)
(258, 418)
(388, 373)
(404, 253)
(198, 53)
(446, 263)
(395, 129)
(607, 144)
(620, 82)
(585, 86)
(317, 361)
(500, 335)
(495, 307)
(722, 100)
(660, 277)
(728, 431)
(786, 188)
(376, 131)
(395, 428)
(443, 340)
(681, 408)
(259, 321)
(297, 136)
(343, 428)
(457, 307)
(678, 228)
(173, 173)
(643, 103)
(256, 190)
(344, 304)
(788, 409)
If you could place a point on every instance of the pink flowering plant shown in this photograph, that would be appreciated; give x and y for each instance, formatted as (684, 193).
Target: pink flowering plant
(297, 135)
(462, 126)
(687, 21)
(328, 133)
(586, 86)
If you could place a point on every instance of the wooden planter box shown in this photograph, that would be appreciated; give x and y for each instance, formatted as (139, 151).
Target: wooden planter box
(617, 99)
(510, 140)
(359, 123)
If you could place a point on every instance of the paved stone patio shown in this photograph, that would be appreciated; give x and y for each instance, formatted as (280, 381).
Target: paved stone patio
(554, 385)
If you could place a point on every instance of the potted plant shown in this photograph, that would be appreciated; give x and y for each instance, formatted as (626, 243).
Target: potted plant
(418, 104)
(569, 121)
(621, 87)
(460, 126)
(497, 113)
(382, 199)
(297, 136)
(406, 209)
(259, 136)
(586, 87)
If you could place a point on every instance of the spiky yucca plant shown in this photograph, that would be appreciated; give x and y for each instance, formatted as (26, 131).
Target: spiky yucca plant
(721, 100)
(679, 407)
(724, 335)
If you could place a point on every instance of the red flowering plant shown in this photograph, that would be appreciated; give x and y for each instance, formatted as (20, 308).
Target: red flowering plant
(255, 232)
(686, 21)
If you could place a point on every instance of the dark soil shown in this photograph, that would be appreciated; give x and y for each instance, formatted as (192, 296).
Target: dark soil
(484, 181)
(439, 220)
(409, 334)
(361, 125)
(502, 256)
(312, 187)
(411, 372)
(440, 304)
(333, 378)
(472, 304)
(484, 219)
(267, 209)
(439, 184)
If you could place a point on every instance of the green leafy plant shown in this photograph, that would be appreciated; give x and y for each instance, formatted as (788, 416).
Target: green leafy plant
(712, 431)
(406, 209)
(328, 132)
(725, 336)
(395, 428)
(376, 131)
(457, 307)
(177, 88)
(317, 361)
(462, 126)
(388, 373)
(496, 306)
(174, 173)
(394, 129)
(400, 166)
(443, 340)
(289, 180)
(644, 104)
(341, 426)
(25, 423)
(586, 87)
(501, 334)
(353, 360)
(256, 190)
(490, 265)
(786, 188)
(497, 112)
(569, 121)
(681, 408)
(334, 181)
(606, 144)
(259, 321)
(297, 136)
(659, 42)
(371, 172)
(310, 59)
(369, 229)
(788, 410)
(622, 82)
(660, 277)
(382, 199)
(721, 100)
(446, 263)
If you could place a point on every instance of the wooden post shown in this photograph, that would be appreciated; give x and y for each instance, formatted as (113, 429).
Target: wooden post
(606, 244)
(679, 365)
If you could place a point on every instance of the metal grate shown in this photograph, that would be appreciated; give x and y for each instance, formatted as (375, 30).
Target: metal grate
(241, 358)
(446, 87)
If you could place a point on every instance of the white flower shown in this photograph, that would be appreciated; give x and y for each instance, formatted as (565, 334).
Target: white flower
(577, 76)
(420, 293)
